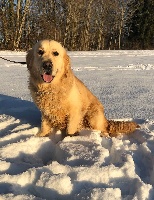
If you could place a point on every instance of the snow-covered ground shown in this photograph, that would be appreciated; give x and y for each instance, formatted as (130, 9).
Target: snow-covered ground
(85, 166)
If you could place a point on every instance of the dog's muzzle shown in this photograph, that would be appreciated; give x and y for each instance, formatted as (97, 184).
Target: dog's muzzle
(47, 67)
(47, 71)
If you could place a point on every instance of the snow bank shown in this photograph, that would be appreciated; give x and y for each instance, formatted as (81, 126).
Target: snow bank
(85, 166)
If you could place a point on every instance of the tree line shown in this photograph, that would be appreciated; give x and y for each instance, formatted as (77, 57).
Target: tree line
(78, 24)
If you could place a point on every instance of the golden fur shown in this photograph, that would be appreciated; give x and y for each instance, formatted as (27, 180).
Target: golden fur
(64, 101)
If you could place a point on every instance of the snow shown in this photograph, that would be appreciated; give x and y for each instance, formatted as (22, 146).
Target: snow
(86, 166)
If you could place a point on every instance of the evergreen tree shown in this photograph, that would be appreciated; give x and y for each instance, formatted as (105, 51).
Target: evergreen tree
(141, 24)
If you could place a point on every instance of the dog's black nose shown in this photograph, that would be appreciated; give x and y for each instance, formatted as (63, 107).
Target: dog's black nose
(47, 67)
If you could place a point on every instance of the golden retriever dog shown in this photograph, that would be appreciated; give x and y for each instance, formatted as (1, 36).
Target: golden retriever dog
(64, 101)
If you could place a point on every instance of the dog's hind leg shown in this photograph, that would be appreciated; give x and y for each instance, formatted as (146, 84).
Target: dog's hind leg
(100, 123)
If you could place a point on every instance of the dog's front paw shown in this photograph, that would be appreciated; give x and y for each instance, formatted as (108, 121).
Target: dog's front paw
(75, 134)
(104, 134)
(42, 134)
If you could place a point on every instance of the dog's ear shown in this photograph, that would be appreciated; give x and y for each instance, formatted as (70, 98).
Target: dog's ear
(29, 58)
(66, 61)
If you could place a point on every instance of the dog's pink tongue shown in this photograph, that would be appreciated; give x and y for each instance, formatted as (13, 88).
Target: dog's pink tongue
(47, 78)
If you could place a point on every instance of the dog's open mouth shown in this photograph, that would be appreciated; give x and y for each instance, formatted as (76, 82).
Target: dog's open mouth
(46, 71)
(47, 77)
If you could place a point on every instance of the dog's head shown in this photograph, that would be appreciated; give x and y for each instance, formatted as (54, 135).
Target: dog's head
(47, 60)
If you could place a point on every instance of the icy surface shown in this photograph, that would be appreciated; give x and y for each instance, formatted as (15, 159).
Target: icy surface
(85, 166)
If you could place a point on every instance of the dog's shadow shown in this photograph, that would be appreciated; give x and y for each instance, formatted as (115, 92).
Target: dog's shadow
(23, 111)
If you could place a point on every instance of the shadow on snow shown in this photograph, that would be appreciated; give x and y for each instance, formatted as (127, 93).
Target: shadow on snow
(23, 110)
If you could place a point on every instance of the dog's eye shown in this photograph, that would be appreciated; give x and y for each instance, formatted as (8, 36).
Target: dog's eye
(40, 52)
(55, 53)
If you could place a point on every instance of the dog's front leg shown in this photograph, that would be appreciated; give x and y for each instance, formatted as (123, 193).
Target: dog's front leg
(73, 124)
(46, 129)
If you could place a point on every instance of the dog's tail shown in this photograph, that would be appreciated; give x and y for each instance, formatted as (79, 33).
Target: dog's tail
(115, 128)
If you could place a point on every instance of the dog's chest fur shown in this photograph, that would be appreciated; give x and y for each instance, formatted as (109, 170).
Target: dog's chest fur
(53, 105)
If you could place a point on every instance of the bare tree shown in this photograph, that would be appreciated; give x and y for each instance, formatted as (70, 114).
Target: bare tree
(13, 16)
(20, 24)
(78, 25)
